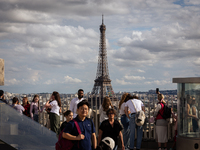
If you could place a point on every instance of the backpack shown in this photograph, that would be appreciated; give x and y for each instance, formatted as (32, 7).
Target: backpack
(167, 112)
(139, 117)
(65, 144)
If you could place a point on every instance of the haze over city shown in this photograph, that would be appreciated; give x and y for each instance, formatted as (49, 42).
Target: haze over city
(53, 45)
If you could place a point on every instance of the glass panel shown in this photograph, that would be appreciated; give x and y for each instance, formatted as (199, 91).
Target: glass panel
(22, 132)
(189, 109)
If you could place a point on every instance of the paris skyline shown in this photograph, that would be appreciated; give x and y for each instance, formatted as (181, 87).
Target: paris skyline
(50, 45)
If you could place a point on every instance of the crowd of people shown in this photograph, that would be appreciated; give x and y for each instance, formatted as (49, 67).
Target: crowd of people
(110, 128)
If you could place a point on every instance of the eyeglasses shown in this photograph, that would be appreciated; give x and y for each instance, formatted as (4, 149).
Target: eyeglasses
(86, 109)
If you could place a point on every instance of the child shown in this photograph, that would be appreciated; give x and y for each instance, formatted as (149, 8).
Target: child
(68, 116)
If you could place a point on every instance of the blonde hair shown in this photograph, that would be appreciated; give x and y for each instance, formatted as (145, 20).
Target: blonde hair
(106, 103)
(161, 98)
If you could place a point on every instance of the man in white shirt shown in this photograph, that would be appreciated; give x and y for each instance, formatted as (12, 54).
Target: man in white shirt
(75, 101)
(139, 106)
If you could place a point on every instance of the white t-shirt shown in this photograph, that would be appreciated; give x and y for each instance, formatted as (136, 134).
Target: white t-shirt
(102, 113)
(122, 109)
(73, 105)
(138, 104)
(54, 107)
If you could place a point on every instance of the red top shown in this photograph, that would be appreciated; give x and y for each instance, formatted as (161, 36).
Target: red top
(27, 110)
(161, 111)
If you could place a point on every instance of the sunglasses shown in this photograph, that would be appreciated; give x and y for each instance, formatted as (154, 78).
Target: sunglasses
(110, 113)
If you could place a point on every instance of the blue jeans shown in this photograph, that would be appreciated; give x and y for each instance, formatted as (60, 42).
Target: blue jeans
(126, 132)
(139, 129)
(35, 117)
(115, 148)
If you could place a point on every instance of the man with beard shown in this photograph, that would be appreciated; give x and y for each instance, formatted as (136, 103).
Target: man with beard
(75, 101)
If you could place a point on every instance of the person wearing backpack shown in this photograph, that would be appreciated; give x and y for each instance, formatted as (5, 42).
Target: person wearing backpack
(132, 105)
(161, 123)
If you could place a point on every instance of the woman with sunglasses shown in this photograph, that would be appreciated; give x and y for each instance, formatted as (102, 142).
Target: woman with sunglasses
(111, 128)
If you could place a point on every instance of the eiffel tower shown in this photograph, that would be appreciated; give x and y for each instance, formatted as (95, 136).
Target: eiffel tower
(102, 85)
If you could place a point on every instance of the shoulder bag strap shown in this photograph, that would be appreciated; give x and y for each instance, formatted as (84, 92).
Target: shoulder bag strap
(134, 106)
(77, 126)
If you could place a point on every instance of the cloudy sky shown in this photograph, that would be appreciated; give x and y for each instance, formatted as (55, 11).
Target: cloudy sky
(53, 45)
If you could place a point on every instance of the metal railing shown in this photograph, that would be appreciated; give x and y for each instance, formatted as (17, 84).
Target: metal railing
(149, 101)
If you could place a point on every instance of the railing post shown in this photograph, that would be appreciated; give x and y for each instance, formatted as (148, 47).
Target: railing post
(149, 117)
(154, 127)
(145, 131)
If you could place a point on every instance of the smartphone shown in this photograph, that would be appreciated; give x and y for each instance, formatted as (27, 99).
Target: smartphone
(157, 90)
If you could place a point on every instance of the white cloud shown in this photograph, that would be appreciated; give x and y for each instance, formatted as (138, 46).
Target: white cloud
(51, 81)
(159, 82)
(11, 82)
(134, 78)
(197, 62)
(139, 70)
(122, 82)
(69, 79)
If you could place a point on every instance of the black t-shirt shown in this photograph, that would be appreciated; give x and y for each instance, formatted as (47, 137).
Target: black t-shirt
(63, 125)
(109, 131)
(3, 100)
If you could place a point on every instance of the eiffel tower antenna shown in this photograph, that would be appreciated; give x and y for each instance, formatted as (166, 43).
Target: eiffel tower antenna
(102, 85)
